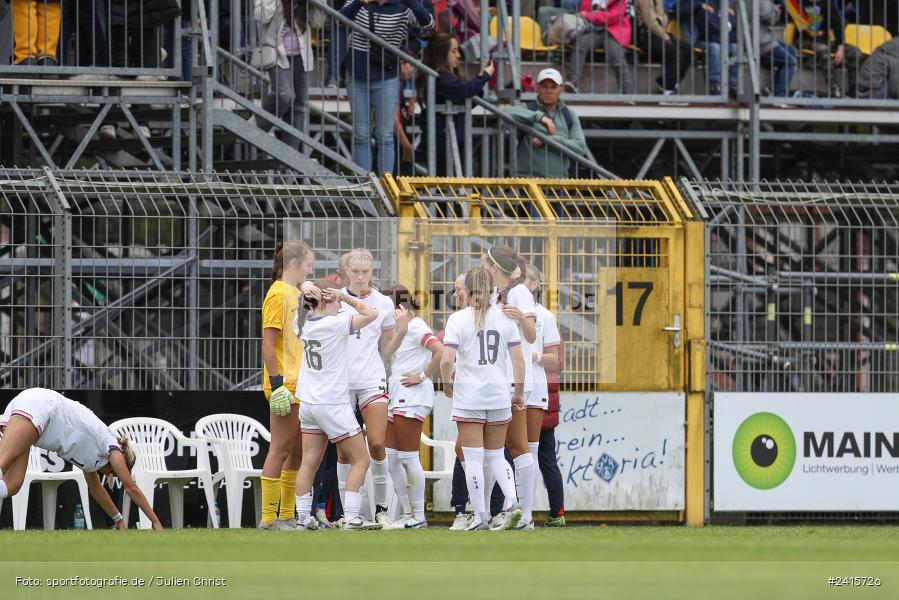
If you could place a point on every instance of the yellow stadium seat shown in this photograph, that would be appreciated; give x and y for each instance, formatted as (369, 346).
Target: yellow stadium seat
(530, 34)
(866, 37)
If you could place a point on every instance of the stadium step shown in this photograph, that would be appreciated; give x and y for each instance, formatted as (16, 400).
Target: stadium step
(269, 144)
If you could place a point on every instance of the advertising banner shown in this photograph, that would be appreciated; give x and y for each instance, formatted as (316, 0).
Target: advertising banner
(806, 452)
(616, 451)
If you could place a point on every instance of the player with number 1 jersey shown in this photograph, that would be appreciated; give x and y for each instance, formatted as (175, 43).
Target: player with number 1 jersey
(368, 348)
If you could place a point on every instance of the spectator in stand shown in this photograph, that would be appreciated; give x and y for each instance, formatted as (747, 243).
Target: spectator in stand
(879, 75)
(560, 122)
(611, 31)
(372, 73)
(782, 59)
(402, 120)
(442, 54)
(653, 36)
(706, 30)
(822, 32)
(36, 26)
(287, 21)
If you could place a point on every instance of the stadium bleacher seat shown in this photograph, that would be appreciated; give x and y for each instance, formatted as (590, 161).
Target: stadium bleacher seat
(866, 37)
(531, 36)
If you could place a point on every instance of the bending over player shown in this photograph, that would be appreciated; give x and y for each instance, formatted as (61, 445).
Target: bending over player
(47, 419)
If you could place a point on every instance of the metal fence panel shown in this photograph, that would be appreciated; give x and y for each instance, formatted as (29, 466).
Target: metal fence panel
(127, 280)
(802, 295)
(802, 286)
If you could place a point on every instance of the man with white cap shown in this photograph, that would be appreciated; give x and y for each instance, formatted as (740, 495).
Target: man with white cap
(548, 113)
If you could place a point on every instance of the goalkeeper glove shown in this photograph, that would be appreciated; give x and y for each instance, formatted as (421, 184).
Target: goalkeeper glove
(281, 398)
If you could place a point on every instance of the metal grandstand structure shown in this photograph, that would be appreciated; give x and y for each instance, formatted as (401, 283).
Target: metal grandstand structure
(151, 280)
(200, 108)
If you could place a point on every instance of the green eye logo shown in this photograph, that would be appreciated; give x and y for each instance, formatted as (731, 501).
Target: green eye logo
(764, 450)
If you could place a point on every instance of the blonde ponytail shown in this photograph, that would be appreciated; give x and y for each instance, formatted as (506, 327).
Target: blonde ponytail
(479, 284)
(128, 451)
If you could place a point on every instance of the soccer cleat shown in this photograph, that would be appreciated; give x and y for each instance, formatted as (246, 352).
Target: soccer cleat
(476, 524)
(460, 521)
(322, 518)
(359, 524)
(273, 526)
(308, 524)
(412, 523)
(522, 526)
(383, 520)
(400, 523)
(287, 524)
(555, 521)
(508, 519)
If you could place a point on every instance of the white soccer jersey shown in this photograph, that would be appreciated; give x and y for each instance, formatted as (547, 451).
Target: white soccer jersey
(65, 427)
(323, 376)
(412, 357)
(547, 335)
(366, 366)
(482, 358)
(521, 298)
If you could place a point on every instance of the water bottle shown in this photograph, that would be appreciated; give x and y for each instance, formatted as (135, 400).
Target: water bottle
(79, 517)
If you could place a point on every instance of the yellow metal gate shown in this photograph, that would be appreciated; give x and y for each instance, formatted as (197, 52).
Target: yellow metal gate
(624, 272)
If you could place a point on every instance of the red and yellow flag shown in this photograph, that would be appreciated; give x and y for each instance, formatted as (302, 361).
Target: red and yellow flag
(798, 14)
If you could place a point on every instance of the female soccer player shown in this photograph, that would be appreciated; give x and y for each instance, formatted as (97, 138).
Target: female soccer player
(47, 419)
(326, 411)
(481, 346)
(411, 389)
(545, 357)
(368, 348)
(507, 268)
(281, 355)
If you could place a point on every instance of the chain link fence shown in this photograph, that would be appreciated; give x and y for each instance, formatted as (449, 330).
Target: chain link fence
(128, 280)
(802, 293)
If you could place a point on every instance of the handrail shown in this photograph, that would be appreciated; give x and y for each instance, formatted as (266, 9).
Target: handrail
(239, 62)
(491, 108)
(373, 37)
(204, 27)
(546, 139)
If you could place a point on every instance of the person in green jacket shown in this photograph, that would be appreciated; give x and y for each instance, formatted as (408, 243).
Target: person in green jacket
(548, 113)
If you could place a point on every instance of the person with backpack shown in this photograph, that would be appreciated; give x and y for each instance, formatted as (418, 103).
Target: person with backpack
(548, 112)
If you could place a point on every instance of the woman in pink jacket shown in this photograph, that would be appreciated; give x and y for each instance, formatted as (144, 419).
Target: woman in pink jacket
(612, 31)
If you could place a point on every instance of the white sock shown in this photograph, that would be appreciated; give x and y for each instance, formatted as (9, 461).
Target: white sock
(415, 474)
(534, 447)
(365, 509)
(304, 505)
(474, 477)
(352, 506)
(502, 472)
(489, 481)
(525, 476)
(400, 483)
(379, 479)
(4, 492)
(343, 471)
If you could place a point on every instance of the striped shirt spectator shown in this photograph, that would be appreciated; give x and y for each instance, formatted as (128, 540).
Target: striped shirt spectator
(372, 78)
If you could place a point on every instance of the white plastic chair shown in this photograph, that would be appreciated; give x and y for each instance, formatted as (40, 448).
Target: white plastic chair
(148, 437)
(449, 458)
(230, 437)
(50, 483)
(445, 472)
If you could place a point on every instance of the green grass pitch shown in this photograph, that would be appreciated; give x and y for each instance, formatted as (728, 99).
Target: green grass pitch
(761, 563)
